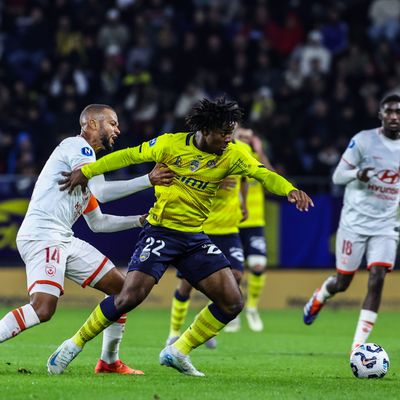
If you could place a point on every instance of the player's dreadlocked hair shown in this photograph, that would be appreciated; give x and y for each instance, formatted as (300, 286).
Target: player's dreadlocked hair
(209, 115)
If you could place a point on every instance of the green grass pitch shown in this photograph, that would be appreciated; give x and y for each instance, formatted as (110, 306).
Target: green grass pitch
(287, 361)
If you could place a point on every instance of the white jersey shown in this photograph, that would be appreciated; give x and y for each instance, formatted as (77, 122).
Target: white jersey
(51, 213)
(370, 208)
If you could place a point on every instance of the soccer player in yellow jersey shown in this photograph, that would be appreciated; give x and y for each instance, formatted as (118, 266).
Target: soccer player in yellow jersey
(173, 234)
(252, 236)
(221, 226)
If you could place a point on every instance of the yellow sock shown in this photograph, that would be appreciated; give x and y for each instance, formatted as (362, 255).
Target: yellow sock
(255, 286)
(94, 325)
(179, 311)
(204, 327)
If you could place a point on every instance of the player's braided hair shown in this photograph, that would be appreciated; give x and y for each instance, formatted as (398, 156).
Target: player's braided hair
(209, 115)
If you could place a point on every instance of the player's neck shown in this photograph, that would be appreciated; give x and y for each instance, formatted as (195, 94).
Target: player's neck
(391, 135)
(199, 142)
(91, 141)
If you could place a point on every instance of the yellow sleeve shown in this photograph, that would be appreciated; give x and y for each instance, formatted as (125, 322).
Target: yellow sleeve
(247, 165)
(153, 150)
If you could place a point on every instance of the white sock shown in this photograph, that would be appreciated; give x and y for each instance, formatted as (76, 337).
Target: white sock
(365, 324)
(323, 293)
(112, 337)
(17, 321)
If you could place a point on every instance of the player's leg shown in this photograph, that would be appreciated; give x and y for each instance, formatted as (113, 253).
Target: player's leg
(255, 248)
(227, 302)
(45, 278)
(111, 284)
(381, 255)
(145, 269)
(350, 248)
(179, 309)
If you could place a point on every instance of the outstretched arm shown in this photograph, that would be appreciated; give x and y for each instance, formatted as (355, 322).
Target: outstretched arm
(99, 222)
(111, 190)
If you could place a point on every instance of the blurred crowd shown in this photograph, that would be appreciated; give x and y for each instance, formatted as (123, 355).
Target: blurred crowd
(309, 74)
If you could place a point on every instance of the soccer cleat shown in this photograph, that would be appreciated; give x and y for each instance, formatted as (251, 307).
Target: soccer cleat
(211, 343)
(171, 340)
(254, 320)
(312, 309)
(61, 358)
(170, 356)
(232, 326)
(117, 367)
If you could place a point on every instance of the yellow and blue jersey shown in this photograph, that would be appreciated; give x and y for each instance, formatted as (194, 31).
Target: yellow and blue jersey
(186, 204)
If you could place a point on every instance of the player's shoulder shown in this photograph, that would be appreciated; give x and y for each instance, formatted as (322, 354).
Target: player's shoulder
(243, 146)
(363, 137)
(171, 138)
(77, 144)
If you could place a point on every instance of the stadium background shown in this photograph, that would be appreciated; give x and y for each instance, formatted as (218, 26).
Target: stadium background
(309, 74)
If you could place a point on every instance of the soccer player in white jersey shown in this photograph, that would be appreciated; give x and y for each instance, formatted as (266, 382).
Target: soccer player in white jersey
(370, 170)
(46, 241)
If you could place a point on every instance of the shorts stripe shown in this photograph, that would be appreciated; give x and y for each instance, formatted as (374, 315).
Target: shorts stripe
(19, 319)
(380, 264)
(342, 271)
(44, 282)
(95, 273)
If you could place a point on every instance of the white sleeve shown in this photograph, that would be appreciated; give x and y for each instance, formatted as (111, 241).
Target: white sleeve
(99, 222)
(344, 173)
(111, 190)
(353, 154)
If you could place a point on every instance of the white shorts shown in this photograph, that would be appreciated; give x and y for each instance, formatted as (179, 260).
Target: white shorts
(48, 262)
(350, 248)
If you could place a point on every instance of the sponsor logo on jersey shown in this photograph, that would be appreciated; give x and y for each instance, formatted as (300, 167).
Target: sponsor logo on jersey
(152, 142)
(86, 151)
(388, 176)
(178, 161)
(351, 144)
(211, 164)
(383, 189)
(193, 182)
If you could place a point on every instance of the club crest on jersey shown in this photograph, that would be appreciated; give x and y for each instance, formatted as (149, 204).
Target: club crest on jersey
(211, 164)
(178, 161)
(50, 270)
(194, 165)
(152, 142)
(144, 255)
(86, 151)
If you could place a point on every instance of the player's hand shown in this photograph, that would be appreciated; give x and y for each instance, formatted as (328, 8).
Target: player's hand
(142, 218)
(72, 180)
(364, 175)
(228, 183)
(161, 175)
(300, 199)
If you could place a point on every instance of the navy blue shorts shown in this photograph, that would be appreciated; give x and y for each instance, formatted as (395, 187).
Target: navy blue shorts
(231, 246)
(192, 254)
(253, 240)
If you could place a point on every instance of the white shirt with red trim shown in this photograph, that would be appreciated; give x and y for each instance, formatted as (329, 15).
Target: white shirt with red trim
(51, 213)
(370, 208)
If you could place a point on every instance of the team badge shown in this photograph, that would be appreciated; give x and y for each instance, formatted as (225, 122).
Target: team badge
(152, 142)
(86, 151)
(211, 164)
(144, 255)
(50, 270)
(194, 165)
(178, 161)
(351, 144)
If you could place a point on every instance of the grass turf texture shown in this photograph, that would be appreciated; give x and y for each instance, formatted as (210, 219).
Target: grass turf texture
(287, 361)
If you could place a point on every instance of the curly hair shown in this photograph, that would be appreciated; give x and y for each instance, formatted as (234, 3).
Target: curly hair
(209, 115)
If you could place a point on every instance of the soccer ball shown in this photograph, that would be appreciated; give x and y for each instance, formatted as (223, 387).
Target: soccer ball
(369, 361)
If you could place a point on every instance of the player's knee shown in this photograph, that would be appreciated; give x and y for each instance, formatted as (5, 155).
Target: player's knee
(235, 307)
(44, 312)
(256, 263)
